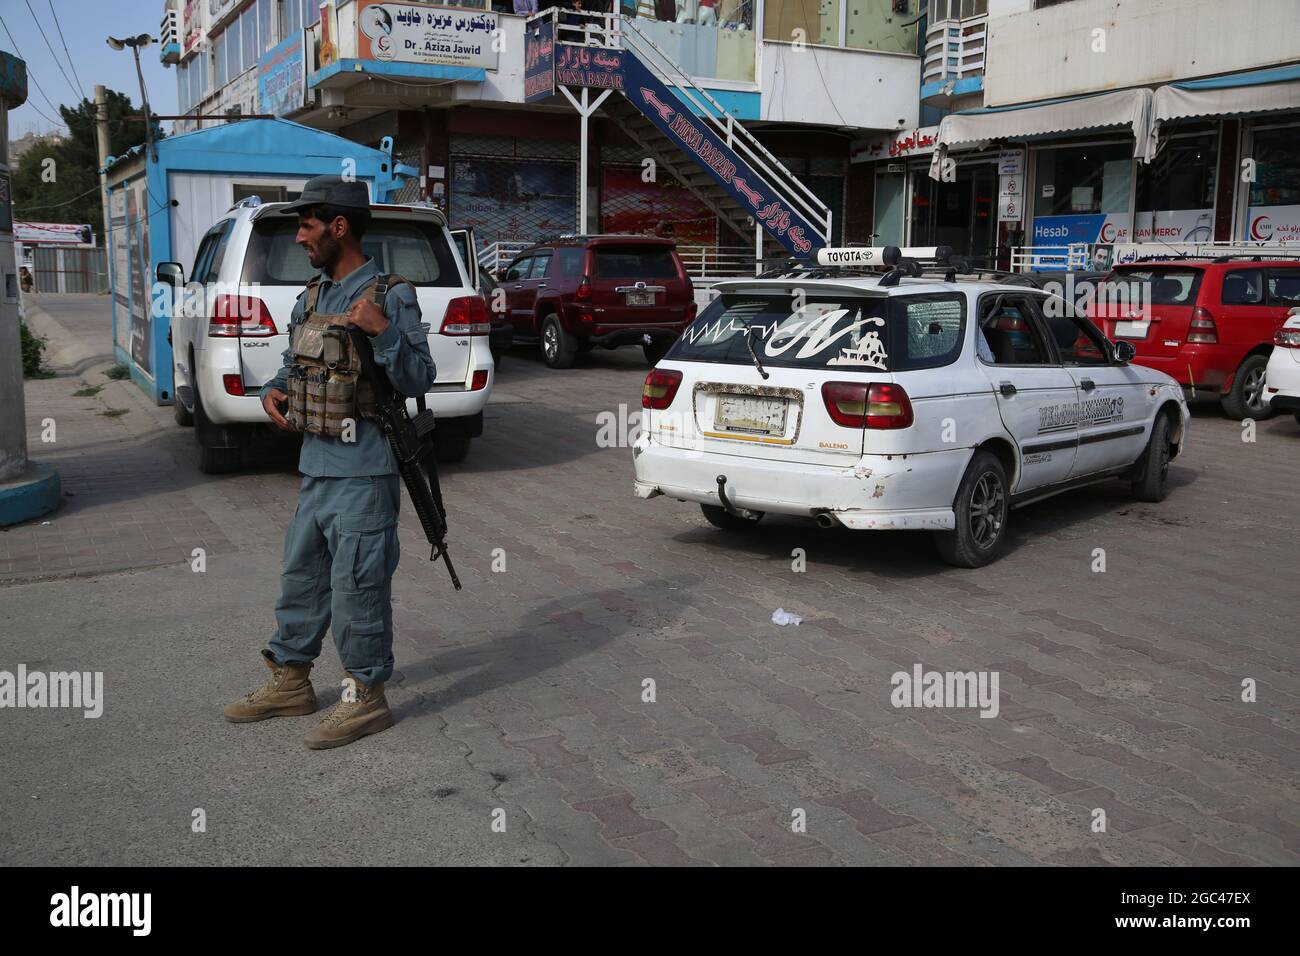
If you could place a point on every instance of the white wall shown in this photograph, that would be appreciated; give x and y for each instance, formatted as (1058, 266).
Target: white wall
(1040, 54)
(838, 87)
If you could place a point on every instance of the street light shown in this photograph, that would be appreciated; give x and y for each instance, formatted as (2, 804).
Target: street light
(136, 43)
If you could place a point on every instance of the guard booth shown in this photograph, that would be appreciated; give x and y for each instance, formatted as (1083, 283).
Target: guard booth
(160, 207)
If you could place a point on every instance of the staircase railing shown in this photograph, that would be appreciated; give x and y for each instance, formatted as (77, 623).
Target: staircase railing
(614, 31)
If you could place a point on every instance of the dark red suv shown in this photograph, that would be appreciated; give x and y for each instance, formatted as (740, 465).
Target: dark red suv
(577, 292)
(1210, 324)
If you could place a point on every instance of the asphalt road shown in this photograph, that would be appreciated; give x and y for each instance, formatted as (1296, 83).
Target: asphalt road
(523, 698)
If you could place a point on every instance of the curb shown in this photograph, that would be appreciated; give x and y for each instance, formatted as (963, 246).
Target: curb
(37, 491)
(64, 351)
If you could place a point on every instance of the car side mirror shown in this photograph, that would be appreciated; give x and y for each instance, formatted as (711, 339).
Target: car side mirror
(171, 273)
(1125, 352)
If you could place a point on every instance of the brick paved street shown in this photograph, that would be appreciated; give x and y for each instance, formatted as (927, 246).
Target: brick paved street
(1120, 691)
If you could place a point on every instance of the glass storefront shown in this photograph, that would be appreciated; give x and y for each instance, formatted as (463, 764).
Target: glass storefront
(1175, 193)
(1273, 210)
(960, 214)
(1081, 194)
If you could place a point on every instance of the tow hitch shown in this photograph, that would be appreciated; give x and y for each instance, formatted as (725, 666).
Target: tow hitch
(726, 502)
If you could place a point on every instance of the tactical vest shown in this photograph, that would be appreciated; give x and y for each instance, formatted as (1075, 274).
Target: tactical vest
(326, 386)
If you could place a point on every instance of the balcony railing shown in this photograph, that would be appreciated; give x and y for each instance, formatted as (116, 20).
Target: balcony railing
(954, 49)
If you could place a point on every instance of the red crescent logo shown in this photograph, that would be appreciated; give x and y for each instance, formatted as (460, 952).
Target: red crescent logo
(1261, 229)
(1108, 232)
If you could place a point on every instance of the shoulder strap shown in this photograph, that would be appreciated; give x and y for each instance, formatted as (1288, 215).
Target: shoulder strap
(382, 285)
(313, 290)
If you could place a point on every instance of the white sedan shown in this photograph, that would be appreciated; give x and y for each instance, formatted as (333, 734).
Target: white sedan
(1282, 376)
(898, 401)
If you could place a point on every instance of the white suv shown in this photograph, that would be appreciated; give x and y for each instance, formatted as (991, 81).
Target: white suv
(228, 332)
(898, 401)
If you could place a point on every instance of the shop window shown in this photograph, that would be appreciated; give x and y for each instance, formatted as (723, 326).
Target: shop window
(1277, 167)
(1175, 197)
(1082, 180)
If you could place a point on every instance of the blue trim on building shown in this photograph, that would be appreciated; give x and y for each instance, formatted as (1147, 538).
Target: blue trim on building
(742, 104)
(1276, 74)
(962, 87)
(410, 71)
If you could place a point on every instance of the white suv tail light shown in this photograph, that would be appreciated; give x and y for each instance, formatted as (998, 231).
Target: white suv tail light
(240, 316)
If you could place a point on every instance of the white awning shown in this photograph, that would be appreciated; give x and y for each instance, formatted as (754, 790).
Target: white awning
(1174, 102)
(1127, 108)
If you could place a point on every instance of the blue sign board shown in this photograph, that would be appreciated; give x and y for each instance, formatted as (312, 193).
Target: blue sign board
(282, 78)
(539, 61)
(694, 136)
(585, 66)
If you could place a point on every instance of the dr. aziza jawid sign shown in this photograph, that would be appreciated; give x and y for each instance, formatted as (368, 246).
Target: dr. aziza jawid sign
(422, 33)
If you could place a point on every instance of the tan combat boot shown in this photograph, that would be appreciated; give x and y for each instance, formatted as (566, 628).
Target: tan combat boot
(287, 693)
(363, 710)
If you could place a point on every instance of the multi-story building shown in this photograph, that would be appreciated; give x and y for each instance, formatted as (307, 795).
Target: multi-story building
(1064, 123)
(785, 88)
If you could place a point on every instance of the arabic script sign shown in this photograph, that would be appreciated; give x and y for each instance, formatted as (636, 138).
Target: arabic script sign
(539, 60)
(422, 33)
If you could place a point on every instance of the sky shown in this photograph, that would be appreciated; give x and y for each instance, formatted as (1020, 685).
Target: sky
(85, 25)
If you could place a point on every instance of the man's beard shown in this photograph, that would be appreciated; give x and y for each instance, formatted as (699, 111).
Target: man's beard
(328, 250)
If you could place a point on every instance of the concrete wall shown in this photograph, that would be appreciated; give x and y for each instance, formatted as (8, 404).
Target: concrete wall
(1040, 54)
(839, 87)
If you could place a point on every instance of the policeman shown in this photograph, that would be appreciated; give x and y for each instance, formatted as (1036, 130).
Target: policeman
(341, 549)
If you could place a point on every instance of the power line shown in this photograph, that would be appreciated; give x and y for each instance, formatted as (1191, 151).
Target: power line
(55, 17)
(53, 55)
(31, 76)
(57, 205)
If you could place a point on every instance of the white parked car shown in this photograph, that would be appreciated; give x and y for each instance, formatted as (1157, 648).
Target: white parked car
(225, 348)
(1282, 376)
(880, 401)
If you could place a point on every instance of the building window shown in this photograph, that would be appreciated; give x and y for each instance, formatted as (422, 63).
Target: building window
(248, 38)
(1077, 180)
(219, 57)
(265, 32)
(1175, 193)
(290, 18)
(956, 9)
(809, 21)
(1277, 167)
(310, 12)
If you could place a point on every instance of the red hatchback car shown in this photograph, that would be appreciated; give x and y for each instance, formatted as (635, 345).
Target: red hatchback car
(1210, 324)
(577, 292)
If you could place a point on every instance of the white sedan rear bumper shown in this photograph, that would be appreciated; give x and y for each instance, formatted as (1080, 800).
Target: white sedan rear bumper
(913, 492)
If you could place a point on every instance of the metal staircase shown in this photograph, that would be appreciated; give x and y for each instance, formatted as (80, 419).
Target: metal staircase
(760, 190)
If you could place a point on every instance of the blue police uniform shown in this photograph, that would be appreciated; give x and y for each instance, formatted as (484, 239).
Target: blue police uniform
(340, 551)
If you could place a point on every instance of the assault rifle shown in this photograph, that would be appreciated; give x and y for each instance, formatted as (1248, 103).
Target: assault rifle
(412, 442)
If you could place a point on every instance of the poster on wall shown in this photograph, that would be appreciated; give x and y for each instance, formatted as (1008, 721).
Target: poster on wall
(1057, 232)
(282, 78)
(1273, 224)
(141, 302)
(422, 33)
(1176, 225)
(329, 31)
(121, 253)
(513, 199)
(666, 209)
(53, 233)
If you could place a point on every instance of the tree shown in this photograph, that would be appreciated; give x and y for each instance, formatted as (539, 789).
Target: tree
(66, 189)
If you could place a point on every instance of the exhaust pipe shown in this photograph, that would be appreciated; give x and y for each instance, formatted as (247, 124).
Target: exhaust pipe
(826, 520)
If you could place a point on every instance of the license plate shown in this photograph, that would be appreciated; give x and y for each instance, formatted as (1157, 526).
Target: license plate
(1132, 330)
(753, 416)
(639, 298)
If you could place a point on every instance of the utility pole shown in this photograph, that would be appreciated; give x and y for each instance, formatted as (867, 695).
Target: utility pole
(105, 150)
(27, 489)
